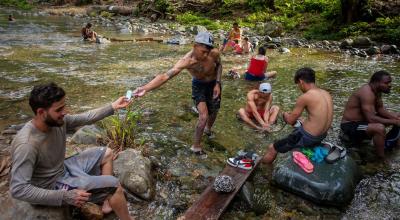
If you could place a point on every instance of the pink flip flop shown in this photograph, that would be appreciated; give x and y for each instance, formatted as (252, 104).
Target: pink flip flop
(303, 162)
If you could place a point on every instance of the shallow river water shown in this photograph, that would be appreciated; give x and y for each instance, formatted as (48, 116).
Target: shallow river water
(39, 49)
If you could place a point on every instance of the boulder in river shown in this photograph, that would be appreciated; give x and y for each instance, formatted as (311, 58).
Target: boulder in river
(331, 184)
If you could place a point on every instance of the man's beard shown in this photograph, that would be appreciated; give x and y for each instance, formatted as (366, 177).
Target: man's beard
(53, 123)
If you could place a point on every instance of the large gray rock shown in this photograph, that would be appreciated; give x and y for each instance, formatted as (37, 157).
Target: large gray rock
(389, 49)
(373, 50)
(19, 210)
(362, 42)
(376, 197)
(88, 134)
(198, 28)
(134, 173)
(273, 29)
(331, 184)
(346, 44)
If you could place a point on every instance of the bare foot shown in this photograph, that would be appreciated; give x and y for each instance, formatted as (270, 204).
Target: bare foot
(106, 208)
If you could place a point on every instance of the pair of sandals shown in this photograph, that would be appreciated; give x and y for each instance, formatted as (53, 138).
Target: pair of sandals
(335, 152)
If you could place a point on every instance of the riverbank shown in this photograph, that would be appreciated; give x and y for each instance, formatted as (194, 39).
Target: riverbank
(183, 34)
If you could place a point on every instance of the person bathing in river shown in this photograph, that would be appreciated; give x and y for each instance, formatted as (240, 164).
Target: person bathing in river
(11, 18)
(88, 34)
(204, 64)
(259, 108)
(40, 173)
(318, 104)
(233, 39)
(365, 116)
(244, 47)
(257, 68)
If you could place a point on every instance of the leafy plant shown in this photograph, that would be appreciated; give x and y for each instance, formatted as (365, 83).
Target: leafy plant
(163, 6)
(188, 18)
(121, 129)
(106, 14)
(20, 4)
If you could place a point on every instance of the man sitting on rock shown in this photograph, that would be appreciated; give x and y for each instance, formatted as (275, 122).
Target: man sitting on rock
(40, 175)
(365, 116)
(259, 107)
(319, 106)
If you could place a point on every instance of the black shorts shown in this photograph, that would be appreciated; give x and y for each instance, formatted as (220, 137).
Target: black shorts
(357, 131)
(297, 139)
(203, 92)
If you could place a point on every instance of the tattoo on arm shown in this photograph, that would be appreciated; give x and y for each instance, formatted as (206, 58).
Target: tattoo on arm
(219, 69)
(170, 73)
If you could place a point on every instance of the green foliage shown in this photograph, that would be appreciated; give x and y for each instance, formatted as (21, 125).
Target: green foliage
(229, 3)
(290, 23)
(257, 5)
(163, 6)
(93, 14)
(189, 18)
(386, 29)
(322, 30)
(355, 29)
(121, 130)
(106, 14)
(20, 4)
(260, 16)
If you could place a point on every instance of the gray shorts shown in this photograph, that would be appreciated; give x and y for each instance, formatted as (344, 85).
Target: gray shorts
(83, 171)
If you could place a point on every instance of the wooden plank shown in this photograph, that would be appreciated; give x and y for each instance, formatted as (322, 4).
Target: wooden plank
(211, 204)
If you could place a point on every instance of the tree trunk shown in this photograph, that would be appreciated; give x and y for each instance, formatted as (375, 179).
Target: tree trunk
(352, 9)
(271, 4)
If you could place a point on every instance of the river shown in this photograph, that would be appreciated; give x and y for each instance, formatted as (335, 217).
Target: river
(39, 49)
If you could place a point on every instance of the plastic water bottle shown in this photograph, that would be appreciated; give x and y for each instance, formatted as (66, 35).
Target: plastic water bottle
(128, 94)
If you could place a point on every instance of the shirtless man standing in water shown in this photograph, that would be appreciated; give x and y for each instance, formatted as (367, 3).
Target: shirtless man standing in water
(204, 64)
(319, 107)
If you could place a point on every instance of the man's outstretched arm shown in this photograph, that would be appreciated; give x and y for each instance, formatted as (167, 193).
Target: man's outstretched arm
(162, 78)
(95, 115)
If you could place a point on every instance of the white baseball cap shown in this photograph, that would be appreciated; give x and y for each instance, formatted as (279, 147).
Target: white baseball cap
(265, 88)
(205, 38)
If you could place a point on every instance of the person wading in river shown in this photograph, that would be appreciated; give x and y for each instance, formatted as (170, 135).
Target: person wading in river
(204, 64)
(39, 173)
(318, 104)
(365, 116)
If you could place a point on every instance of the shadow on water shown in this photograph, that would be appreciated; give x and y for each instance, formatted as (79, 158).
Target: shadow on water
(35, 50)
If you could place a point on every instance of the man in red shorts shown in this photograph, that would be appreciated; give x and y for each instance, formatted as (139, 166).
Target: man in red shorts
(259, 108)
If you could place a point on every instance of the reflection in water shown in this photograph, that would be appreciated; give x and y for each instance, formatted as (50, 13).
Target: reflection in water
(35, 50)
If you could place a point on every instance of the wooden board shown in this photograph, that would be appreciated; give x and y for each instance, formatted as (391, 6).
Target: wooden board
(211, 204)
